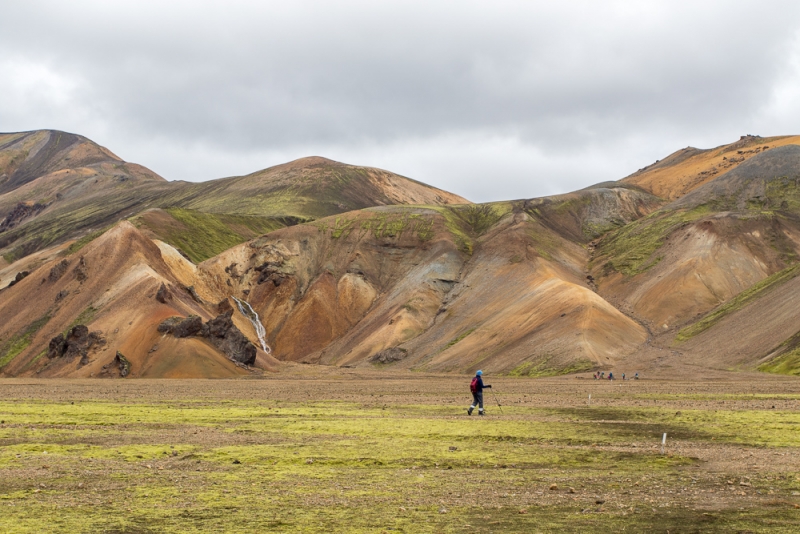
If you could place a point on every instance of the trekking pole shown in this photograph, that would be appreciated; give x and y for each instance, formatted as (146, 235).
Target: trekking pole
(497, 401)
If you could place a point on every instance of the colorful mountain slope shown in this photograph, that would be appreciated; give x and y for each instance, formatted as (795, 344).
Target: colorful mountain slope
(663, 271)
(56, 186)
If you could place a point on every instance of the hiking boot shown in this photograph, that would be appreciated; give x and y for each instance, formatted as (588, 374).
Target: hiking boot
(469, 411)
(481, 412)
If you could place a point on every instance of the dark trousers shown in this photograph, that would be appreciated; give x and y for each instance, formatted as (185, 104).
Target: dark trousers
(477, 399)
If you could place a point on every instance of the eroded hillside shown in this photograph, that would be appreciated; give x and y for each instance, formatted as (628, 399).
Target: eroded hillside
(56, 186)
(690, 263)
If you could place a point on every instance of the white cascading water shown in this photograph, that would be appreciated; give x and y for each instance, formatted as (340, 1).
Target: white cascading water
(251, 314)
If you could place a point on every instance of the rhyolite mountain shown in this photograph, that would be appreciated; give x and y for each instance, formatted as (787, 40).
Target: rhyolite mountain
(56, 186)
(690, 263)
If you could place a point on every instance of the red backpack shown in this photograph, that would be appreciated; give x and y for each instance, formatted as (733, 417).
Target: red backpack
(473, 386)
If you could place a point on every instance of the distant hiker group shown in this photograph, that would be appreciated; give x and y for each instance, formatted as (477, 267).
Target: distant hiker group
(601, 375)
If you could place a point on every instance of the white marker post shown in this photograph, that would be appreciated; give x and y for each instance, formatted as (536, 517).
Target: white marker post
(663, 442)
(590, 399)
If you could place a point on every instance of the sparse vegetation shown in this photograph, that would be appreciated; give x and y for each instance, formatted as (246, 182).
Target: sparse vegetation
(381, 225)
(14, 346)
(479, 217)
(85, 240)
(630, 250)
(787, 358)
(342, 228)
(785, 364)
(204, 235)
(540, 368)
(211, 457)
(84, 318)
(457, 339)
(738, 302)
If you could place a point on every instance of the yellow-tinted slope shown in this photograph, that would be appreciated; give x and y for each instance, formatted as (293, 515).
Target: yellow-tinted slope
(689, 168)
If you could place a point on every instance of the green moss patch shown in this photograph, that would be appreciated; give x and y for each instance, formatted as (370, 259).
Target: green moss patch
(786, 364)
(631, 249)
(20, 341)
(786, 360)
(204, 235)
(542, 368)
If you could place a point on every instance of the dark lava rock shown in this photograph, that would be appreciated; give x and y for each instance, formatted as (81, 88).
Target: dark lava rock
(20, 212)
(19, 277)
(58, 271)
(163, 294)
(220, 325)
(168, 325)
(81, 270)
(123, 364)
(394, 354)
(224, 335)
(62, 295)
(57, 346)
(188, 327)
(220, 332)
(79, 342)
(224, 306)
(191, 290)
(268, 272)
(233, 270)
(275, 278)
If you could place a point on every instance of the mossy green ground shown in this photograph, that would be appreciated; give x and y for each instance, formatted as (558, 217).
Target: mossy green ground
(389, 455)
(204, 235)
(630, 250)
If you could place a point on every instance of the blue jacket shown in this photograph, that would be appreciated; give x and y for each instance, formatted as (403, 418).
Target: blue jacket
(479, 386)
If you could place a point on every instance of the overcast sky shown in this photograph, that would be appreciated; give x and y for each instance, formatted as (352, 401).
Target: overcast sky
(490, 100)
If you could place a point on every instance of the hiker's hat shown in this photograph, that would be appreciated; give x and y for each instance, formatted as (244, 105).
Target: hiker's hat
(479, 373)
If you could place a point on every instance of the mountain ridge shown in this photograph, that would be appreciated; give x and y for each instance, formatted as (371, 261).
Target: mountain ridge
(656, 272)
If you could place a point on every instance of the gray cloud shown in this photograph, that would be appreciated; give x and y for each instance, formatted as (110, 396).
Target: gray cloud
(492, 101)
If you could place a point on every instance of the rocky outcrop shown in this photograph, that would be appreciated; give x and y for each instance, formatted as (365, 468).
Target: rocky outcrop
(57, 347)
(224, 306)
(21, 211)
(394, 354)
(58, 271)
(163, 295)
(268, 272)
(123, 364)
(193, 292)
(19, 277)
(167, 326)
(120, 363)
(220, 332)
(81, 270)
(224, 335)
(181, 327)
(78, 342)
(62, 295)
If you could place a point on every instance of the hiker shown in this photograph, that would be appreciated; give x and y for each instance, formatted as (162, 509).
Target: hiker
(610, 375)
(476, 387)
(623, 376)
(636, 376)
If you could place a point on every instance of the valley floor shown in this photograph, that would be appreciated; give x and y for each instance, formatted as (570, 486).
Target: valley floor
(355, 451)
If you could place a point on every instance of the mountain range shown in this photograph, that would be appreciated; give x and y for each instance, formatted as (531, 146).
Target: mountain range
(687, 265)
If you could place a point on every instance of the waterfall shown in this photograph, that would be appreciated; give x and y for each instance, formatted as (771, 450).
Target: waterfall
(251, 314)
